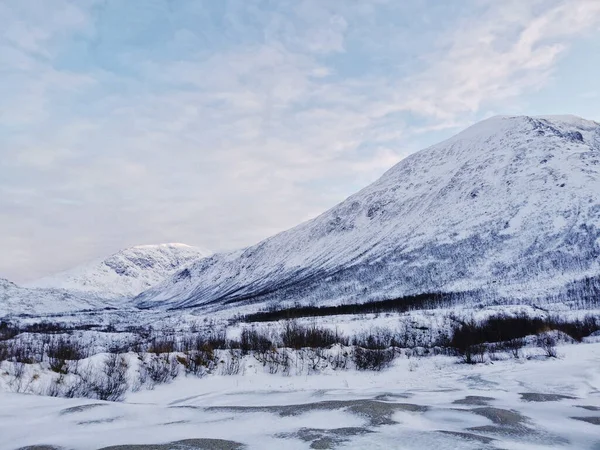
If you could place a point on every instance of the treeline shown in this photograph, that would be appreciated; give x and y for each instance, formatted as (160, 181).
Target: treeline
(503, 332)
(9, 329)
(503, 327)
(401, 304)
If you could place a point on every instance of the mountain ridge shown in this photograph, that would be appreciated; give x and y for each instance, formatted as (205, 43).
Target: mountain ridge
(18, 300)
(456, 216)
(125, 273)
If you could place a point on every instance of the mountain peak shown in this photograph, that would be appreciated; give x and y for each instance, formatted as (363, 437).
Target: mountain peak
(555, 118)
(126, 273)
(502, 124)
(509, 205)
(163, 245)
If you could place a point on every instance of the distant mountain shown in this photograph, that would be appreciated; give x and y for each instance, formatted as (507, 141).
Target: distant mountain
(509, 208)
(16, 300)
(124, 274)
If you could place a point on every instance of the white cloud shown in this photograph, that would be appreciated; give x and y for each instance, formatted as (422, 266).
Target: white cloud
(511, 48)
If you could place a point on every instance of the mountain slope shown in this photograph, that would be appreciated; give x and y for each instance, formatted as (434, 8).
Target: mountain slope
(16, 300)
(124, 274)
(509, 207)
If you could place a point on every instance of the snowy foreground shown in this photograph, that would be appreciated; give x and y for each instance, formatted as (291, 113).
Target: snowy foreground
(418, 403)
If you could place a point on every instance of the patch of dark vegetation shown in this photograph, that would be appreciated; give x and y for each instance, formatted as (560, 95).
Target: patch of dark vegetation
(376, 359)
(402, 304)
(253, 340)
(297, 336)
(54, 349)
(9, 329)
(61, 350)
(471, 338)
(584, 293)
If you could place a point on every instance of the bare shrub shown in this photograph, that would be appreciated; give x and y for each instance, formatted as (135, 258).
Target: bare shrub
(108, 382)
(213, 340)
(371, 359)
(474, 354)
(339, 361)
(315, 357)
(111, 385)
(270, 359)
(162, 344)
(17, 371)
(66, 349)
(548, 344)
(4, 351)
(232, 364)
(23, 351)
(198, 362)
(55, 387)
(252, 340)
(61, 350)
(276, 360)
(514, 347)
(479, 351)
(159, 369)
(381, 338)
(297, 336)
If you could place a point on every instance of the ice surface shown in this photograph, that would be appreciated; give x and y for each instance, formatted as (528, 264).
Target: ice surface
(420, 398)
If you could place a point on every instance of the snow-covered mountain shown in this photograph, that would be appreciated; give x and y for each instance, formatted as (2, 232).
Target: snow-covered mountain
(124, 274)
(16, 300)
(509, 207)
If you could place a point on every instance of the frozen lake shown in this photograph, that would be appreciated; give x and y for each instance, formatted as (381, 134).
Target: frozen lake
(418, 403)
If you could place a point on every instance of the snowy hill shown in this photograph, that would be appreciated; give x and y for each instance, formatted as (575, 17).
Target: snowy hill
(124, 274)
(509, 207)
(16, 300)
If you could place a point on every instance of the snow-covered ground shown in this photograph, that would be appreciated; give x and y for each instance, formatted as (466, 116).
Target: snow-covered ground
(418, 403)
(17, 300)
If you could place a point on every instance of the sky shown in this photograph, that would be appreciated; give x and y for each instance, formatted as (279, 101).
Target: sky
(220, 123)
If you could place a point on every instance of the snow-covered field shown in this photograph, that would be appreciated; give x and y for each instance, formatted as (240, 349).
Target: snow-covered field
(418, 403)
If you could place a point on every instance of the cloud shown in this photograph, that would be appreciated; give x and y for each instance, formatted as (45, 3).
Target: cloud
(221, 123)
(510, 48)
